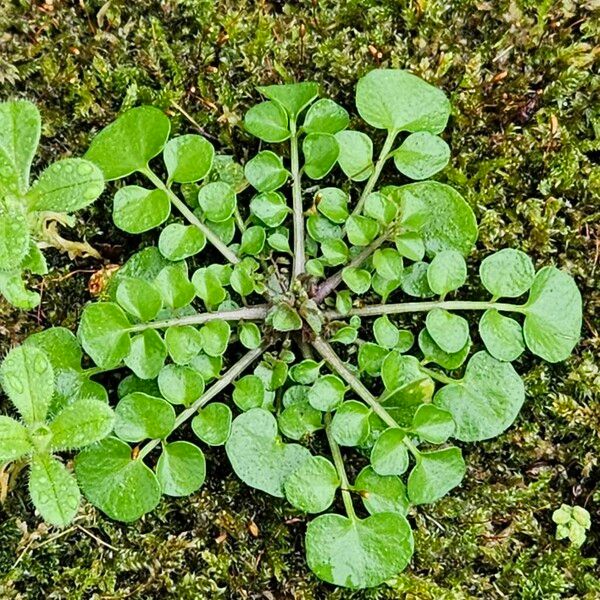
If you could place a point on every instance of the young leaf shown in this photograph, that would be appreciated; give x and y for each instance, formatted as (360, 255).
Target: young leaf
(299, 419)
(370, 358)
(14, 440)
(284, 318)
(358, 553)
(258, 457)
(122, 487)
(181, 469)
(325, 116)
(104, 333)
(139, 298)
(53, 490)
(305, 372)
(486, 401)
(28, 380)
(321, 150)
(66, 186)
(446, 272)
(552, 315)
(388, 263)
(380, 207)
(327, 393)
(507, 273)
(208, 287)
(137, 209)
(140, 416)
(292, 97)
(183, 342)
(188, 158)
(81, 424)
(410, 245)
(180, 384)
(361, 230)
(249, 392)
(435, 474)
(389, 455)
(128, 144)
(311, 487)
(270, 207)
(265, 172)
(212, 424)
(450, 332)
(215, 337)
(358, 280)
(432, 424)
(381, 493)
(177, 242)
(400, 101)
(217, 200)
(250, 336)
(421, 155)
(414, 280)
(433, 353)
(147, 355)
(350, 423)
(175, 287)
(355, 154)
(268, 121)
(333, 204)
(502, 336)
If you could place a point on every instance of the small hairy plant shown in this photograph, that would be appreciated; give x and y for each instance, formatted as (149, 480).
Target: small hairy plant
(279, 329)
(28, 215)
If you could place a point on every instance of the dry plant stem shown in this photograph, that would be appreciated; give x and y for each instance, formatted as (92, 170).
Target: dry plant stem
(331, 283)
(228, 377)
(338, 461)
(410, 307)
(212, 237)
(298, 211)
(383, 156)
(249, 313)
(336, 363)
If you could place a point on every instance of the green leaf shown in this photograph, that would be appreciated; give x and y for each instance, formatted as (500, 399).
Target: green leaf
(321, 229)
(180, 384)
(128, 144)
(34, 260)
(358, 280)
(355, 154)
(207, 366)
(267, 121)
(177, 242)
(139, 298)
(552, 315)
(389, 455)
(361, 230)
(273, 373)
(299, 419)
(66, 186)
(249, 335)
(212, 424)
(325, 116)
(410, 244)
(397, 100)
(137, 209)
(433, 353)
(370, 358)
(280, 242)
(414, 280)
(175, 287)
(184, 342)
(215, 337)
(14, 237)
(122, 487)
(327, 393)
(140, 416)
(437, 205)
(388, 263)
(321, 151)
(380, 207)
(292, 97)
(306, 371)
(257, 454)
(249, 392)
(104, 333)
(446, 272)
(81, 424)
(432, 424)
(28, 380)
(188, 158)
(181, 469)
(253, 240)
(502, 336)
(332, 203)
(335, 252)
(350, 423)
(14, 440)
(20, 126)
(507, 273)
(208, 287)
(311, 487)
(270, 207)
(381, 493)
(265, 172)
(435, 474)
(386, 333)
(217, 200)
(421, 155)
(147, 355)
(486, 401)
(450, 332)
(12, 287)
(358, 553)
(284, 318)
(53, 490)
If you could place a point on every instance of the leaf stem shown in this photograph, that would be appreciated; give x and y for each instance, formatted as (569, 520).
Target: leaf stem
(248, 313)
(331, 283)
(437, 375)
(410, 307)
(338, 461)
(298, 211)
(383, 156)
(228, 377)
(212, 237)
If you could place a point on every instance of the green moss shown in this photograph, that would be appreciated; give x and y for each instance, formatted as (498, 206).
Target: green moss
(525, 138)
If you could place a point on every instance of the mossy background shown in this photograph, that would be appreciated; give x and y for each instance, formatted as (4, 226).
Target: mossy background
(525, 138)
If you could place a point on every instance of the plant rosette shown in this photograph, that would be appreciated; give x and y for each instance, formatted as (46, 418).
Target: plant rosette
(275, 325)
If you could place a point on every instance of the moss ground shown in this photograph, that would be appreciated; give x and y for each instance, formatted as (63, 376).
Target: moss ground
(525, 137)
